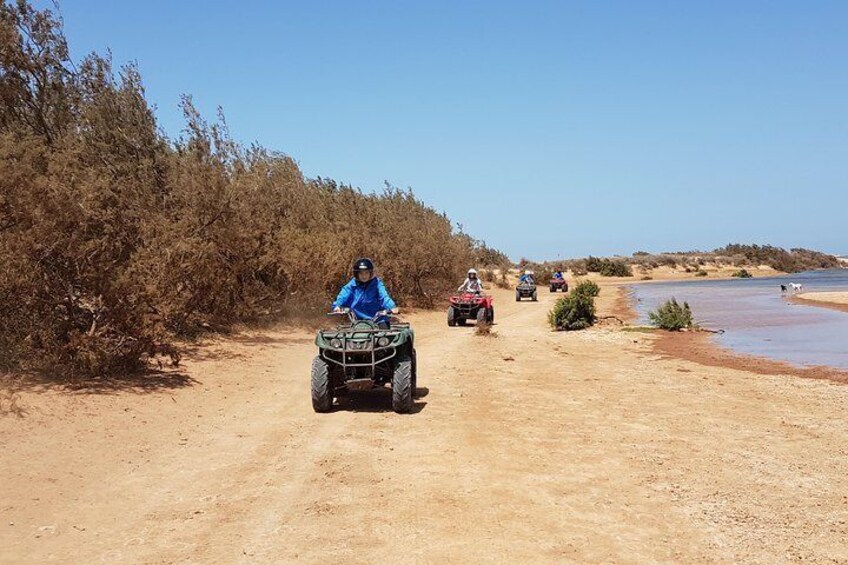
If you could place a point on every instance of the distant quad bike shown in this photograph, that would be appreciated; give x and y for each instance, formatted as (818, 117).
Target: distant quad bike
(558, 284)
(526, 290)
(362, 356)
(471, 306)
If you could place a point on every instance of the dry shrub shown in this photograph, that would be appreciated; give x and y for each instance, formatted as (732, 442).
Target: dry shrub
(484, 329)
(497, 277)
(115, 240)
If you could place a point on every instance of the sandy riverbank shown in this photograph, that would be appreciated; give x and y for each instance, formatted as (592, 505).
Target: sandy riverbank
(699, 347)
(529, 446)
(832, 300)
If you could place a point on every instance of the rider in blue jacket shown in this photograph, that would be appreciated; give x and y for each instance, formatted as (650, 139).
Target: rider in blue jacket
(558, 275)
(365, 294)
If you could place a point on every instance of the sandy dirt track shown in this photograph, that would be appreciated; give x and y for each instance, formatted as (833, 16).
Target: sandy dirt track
(531, 446)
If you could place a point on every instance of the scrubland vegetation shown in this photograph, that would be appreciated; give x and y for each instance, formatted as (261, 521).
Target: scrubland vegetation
(116, 241)
(733, 255)
(738, 255)
(672, 316)
(575, 310)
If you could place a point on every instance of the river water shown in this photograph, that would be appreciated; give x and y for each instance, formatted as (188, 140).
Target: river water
(757, 318)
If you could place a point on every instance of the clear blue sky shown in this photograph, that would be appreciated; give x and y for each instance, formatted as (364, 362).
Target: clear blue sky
(546, 128)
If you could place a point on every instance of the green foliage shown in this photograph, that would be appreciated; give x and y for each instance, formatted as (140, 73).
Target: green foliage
(796, 259)
(593, 264)
(608, 267)
(576, 266)
(701, 273)
(114, 240)
(575, 311)
(742, 274)
(589, 288)
(792, 261)
(672, 316)
(615, 268)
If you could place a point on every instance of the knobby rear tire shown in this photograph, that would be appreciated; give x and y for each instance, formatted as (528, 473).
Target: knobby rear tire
(322, 394)
(402, 383)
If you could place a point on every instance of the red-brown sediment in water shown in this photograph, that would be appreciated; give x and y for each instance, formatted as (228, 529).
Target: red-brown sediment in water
(623, 305)
(699, 348)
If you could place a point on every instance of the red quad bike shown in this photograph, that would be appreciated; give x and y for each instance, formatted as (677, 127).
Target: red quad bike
(470, 305)
(558, 284)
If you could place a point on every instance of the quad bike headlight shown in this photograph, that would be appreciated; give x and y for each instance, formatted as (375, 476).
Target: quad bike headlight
(383, 341)
(336, 343)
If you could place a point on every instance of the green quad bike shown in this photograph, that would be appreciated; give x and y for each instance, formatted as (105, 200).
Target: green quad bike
(526, 290)
(362, 356)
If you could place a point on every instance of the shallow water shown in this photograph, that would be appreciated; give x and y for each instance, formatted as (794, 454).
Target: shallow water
(757, 318)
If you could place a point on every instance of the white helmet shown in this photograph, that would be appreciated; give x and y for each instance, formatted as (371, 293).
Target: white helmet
(472, 271)
(528, 272)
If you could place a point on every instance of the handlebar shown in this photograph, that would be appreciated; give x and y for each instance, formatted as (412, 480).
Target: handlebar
(352, 316)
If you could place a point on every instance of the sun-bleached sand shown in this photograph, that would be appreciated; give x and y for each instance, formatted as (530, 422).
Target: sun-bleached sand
(832, 297)
(832, 300)
(526, 446)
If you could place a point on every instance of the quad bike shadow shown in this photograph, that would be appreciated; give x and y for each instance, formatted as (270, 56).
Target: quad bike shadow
(377, 401)
(366, 358)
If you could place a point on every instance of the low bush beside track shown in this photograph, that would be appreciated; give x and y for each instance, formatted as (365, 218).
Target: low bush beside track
(576, 310)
